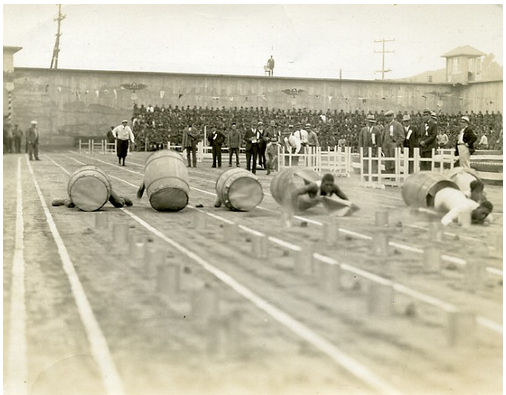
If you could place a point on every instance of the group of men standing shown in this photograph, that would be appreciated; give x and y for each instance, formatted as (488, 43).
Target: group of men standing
(13, 137)
(260, 144)
(394, 135)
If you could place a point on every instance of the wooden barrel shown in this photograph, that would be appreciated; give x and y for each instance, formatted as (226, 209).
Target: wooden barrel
(89, 188)
(289, 179)
(419, 189)
(167, 181)
(239, 189)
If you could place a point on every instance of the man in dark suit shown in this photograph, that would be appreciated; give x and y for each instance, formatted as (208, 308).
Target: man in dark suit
(251, 137)
(411, 140)
(465, 143)
(370, 137)
(427, 138)
(393, 137)
(189, 143)
(262, 144)
(216, 139)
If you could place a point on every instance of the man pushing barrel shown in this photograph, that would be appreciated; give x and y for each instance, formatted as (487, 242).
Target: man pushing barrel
(433, 190)
(323, 191)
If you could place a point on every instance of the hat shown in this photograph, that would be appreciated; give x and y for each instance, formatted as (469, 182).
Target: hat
(389, 113)
(370, 118)
(34, 122)
(260, 123)
(426, 111)
(465, 118)
(290, 126)
(406, 117)
(308, 124)
(125, 120)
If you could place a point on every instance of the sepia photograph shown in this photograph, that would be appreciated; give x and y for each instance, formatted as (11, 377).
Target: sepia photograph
(252, 199)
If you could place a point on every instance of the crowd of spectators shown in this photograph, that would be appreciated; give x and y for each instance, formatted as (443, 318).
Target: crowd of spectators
(154, 126)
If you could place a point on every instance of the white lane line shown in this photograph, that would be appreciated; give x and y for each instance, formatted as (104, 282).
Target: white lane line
(490, 324)
(358, 370)
(98, 343)
(17, 369)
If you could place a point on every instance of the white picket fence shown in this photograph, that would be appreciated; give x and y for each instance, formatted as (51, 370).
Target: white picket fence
(92, 146)
(377, 170)
(336, 160)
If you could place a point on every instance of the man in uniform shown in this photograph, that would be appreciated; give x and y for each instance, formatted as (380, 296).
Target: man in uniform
(32, 137)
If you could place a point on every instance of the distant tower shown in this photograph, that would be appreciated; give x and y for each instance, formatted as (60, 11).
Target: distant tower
(56, 50)
(463, 65)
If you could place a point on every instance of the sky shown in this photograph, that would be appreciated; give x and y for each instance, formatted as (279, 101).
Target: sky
(316, 41)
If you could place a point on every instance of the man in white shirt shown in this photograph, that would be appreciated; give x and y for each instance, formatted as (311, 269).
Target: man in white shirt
(123, 135)
(293, 145)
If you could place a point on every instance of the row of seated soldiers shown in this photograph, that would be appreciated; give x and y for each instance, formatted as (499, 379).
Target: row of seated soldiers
(154, 125)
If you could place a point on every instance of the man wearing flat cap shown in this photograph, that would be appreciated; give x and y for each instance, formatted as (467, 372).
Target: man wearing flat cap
(411, 140)
(465, 143)
(427, 138)
(370, 137)
(393, 137)
(123, 135)
(32, 138)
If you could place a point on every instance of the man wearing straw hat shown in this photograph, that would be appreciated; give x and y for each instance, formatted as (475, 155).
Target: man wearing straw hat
(123, 135)
(370, 137)
(465, 143)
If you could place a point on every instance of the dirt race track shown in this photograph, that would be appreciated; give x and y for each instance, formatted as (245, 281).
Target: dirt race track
(86, 315)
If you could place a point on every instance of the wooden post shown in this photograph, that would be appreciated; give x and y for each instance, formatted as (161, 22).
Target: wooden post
(331, 233)
(380, 299)
(120, 233)
(167, 279)
(304, 259)
(380, 244)
(436, 232)
(381, 218)
(154, 257)
(330, 277)
(199, 220)
(260, 246)
(474, 276)
(432, 259)
(102, 220)
(224, 338)
(204, 302)
(230, 232)
(137, 249)
(461, 328)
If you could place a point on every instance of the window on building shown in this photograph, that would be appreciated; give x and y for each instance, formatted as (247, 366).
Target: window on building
(455, 65)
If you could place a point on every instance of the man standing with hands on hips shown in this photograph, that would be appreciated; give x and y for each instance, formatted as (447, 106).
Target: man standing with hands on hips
(123, 134)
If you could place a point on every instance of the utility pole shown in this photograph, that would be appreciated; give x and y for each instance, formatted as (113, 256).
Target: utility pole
(383, 71)
(56, 50)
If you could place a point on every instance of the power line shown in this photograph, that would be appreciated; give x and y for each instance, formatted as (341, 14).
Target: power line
(56, 50)
(383, 71)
